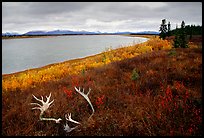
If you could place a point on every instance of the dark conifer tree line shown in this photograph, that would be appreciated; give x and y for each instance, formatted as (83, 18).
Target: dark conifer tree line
(181, 34)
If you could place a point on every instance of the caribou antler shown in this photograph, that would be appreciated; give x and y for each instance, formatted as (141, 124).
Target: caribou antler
(44, 107)
(70, 119)
(86, 97)
(67, 128)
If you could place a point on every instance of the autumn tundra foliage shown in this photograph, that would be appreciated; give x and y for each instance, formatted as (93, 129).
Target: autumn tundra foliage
(148, 89)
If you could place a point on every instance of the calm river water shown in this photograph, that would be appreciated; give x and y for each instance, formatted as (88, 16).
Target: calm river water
(27, 53)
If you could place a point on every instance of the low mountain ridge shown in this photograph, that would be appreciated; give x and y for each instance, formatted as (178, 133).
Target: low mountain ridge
(69, 32)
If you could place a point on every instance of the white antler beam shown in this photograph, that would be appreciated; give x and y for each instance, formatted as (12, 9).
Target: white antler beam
(51, 119)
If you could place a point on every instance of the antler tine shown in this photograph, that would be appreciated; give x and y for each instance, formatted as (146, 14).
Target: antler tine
(69, 115)
(78, 90)
(37, 98)
(48, 97)
(51, 102)
(65, 116)
(88, 91)
(70, 119)
(82, 92)
(42, 98)
(36, 104)
(37, 108)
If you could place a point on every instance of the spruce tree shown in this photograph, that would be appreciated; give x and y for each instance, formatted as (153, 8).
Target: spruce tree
(180, 37)
(169, 29)
(183, 43)
(191, 31)
(163, 29)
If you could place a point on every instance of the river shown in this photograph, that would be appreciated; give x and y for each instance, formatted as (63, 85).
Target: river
(28, 53)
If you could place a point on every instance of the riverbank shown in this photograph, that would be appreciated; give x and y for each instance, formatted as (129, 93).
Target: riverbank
(70, 49)
(56, 71)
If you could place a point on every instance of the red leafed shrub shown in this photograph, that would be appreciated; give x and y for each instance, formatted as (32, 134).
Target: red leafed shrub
(75, 81)
(178, 111)
(99, 101)
(68, 92)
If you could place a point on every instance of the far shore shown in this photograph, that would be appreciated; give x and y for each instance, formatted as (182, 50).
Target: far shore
(45, 36)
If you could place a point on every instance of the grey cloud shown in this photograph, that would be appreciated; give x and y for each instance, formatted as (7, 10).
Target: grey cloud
(55, 7)
(73, 15)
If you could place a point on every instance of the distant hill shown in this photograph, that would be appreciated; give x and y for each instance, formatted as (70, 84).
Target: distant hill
(148, 32)
(68, 32)
(10, 34)
(58, 32)
(35, 33)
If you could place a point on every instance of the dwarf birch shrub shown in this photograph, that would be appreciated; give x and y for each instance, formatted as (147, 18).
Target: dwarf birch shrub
(135, 75)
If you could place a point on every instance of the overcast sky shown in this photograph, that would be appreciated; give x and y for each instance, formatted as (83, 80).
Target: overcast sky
(22, 17)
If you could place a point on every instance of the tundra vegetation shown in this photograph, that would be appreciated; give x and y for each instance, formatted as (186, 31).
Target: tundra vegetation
(148, 89)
